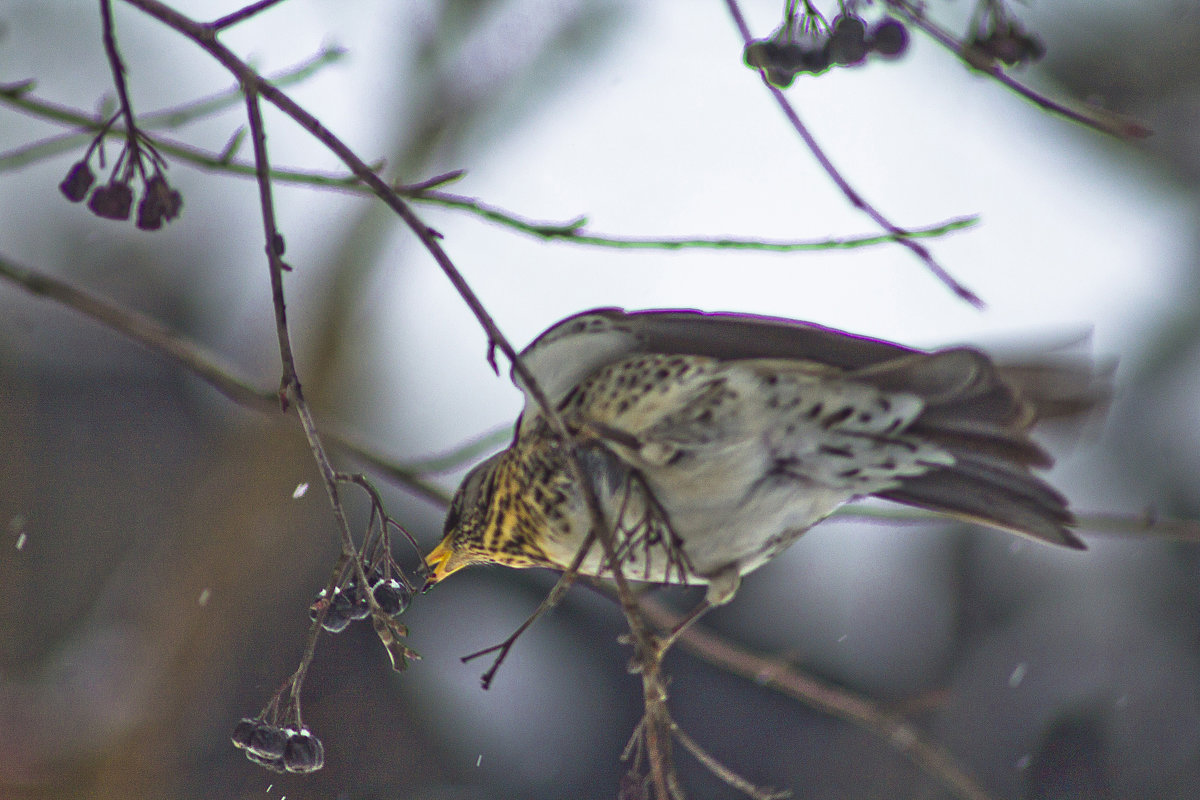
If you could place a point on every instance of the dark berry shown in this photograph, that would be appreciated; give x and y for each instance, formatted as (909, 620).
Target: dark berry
(849, 27)
(112, 201)
(780, 78)
(848, 42)
(337, 611)
(304, 752)
(337, 617)
(242, 732)
(266, 740)
(360, 607)
(335, 621)
(791, 57)
(889, 38)
(392, 596)
(817, 59)
(75, 186)
(756, 54)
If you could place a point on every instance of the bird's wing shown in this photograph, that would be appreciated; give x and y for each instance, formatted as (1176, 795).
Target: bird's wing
(728, 337)
(574, 348)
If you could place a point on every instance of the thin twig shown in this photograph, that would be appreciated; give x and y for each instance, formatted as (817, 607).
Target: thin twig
(242, 14)
(723, 772)
(836, 176)
(574, 232)
(290, 391)
(118, 72)
(201, 107)
(782, 677)
(565, 580)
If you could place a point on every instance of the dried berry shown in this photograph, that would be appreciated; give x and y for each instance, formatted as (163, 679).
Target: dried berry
(1035, 48)
(112, 201)
(75, 186)
(791, 57)
(159, 203)
(782, 57)
(1007, 42)
(1005, 47)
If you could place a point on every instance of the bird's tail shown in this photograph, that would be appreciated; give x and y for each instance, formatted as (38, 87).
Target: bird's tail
(982, 414)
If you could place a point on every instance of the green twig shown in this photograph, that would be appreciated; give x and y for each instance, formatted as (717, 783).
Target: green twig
(16, 95)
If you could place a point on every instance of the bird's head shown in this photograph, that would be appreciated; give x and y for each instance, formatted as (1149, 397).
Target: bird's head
(464, 536)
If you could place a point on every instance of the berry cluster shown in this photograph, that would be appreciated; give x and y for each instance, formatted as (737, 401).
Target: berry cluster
(1006, 41)
(279, 748)
(813, 47)
(349, 602)
(114, 199)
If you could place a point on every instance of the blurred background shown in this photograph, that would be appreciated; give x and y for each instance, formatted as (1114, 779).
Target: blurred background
(155, 568)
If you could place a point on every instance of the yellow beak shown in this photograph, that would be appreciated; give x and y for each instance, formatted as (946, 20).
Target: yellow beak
(441, 563)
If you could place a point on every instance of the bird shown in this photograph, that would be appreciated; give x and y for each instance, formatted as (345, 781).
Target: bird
(713, 440)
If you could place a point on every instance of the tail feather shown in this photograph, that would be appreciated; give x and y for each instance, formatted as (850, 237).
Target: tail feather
(982, 413)
(1020, 504)
(994, 442)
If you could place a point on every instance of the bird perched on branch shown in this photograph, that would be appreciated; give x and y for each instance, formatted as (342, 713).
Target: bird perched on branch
(712, 441)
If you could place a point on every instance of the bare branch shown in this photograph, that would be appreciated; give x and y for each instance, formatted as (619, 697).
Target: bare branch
(142, 329)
